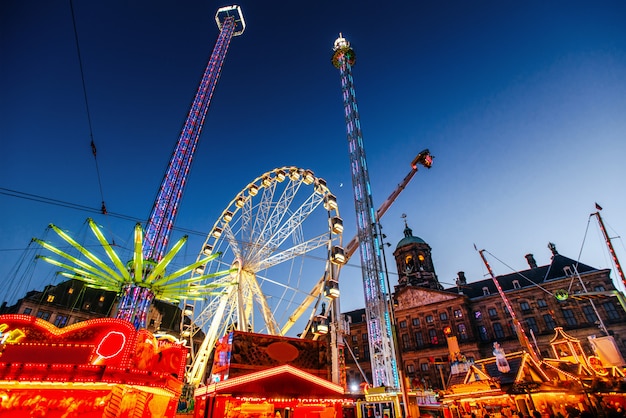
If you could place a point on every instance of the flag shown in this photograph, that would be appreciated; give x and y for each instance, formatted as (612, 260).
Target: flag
(598, 207)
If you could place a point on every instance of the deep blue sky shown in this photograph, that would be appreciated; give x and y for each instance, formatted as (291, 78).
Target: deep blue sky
(522, 103)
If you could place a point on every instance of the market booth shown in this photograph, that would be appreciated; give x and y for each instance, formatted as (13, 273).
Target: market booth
(568, 383)
(519, 384)
(96, 368)
(262, 376)
(283, 389)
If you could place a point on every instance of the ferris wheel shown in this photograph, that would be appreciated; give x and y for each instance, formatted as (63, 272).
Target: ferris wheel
(280, 244)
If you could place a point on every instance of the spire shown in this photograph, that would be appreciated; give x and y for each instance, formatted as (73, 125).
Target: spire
(408, 232)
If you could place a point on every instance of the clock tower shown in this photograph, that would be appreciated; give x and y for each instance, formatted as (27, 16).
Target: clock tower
(414, 262)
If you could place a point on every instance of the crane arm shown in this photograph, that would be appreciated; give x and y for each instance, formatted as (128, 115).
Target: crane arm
(423, 158)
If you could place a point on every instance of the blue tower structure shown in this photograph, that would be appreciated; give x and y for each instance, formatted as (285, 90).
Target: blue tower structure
(378, 313)
(135, 300)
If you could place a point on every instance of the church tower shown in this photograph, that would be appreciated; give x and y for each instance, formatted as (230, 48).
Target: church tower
(414, 262)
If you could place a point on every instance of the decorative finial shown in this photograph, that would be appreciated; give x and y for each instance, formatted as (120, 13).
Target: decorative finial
(552, 248)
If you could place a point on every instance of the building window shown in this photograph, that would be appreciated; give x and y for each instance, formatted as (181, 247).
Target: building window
(355, 339)
(516, 284)
(70, 290)
(569, 317)
(410, 369)
(513, 328)
(419, 340)
(429, 319)
(541, 303)
(486, 291)
(458, 313)
(27, 311)
(497, 330)
(364, 337)
(482, 331)
(416, 322)
(478, 315)
(355, 349)
(101, 298)
(406, 342)
(611, 312)
(599, 289)
(50, 298)
(432, 335)
(443, 316)
(567, 270)
(525, 306)
(590, 314)
(549, 320)
(532, 324)
(45, 315)
(462, 331)
(424, 367)
(492, 312)
(402, 324)
(60, 321)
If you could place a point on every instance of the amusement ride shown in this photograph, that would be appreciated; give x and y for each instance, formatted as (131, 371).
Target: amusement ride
(270, 264)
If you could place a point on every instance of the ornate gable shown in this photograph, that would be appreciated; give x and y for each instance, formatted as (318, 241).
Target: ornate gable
(411, 296)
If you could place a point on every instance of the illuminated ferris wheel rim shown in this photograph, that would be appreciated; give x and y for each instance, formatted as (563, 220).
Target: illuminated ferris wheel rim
(306, 176)
(251, 236)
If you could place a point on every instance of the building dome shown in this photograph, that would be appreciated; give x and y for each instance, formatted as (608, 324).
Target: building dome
(409, 238)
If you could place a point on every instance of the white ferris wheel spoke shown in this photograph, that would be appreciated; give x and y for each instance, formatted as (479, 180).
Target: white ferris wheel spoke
(288, 228)
(278, 211)
(297, 250)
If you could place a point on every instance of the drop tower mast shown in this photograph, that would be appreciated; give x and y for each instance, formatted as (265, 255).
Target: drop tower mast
(378, 313)
(136, 299)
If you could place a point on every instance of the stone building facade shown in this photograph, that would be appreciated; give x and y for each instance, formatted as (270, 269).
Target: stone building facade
(435, 326)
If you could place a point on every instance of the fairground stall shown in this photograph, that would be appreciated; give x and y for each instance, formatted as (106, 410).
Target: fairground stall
(518, 385)
(568, 383)
(96, 368)
(381, 402)
(261, 376)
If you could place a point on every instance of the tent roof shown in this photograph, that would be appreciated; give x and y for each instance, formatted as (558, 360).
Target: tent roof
(283, 381)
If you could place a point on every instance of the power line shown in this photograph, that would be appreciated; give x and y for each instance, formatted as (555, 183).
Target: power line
(103, 209)
(89, 209)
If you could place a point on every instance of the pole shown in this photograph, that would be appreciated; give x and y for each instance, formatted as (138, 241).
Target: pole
(521, 335)
(618, 267)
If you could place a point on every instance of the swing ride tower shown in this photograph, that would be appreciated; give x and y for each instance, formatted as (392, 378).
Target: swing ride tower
(378, 312)
(135, 299)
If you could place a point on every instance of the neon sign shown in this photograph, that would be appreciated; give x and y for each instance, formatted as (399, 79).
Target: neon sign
(13, 336)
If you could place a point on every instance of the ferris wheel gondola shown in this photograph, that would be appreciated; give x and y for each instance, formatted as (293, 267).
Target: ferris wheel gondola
(280, 239)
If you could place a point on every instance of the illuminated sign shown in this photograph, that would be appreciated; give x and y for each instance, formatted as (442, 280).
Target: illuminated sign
(13, 336)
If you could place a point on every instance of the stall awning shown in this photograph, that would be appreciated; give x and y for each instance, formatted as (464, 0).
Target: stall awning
(283, 381)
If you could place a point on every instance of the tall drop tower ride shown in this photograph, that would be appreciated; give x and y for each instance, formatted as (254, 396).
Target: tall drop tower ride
(136, 299)
(378, 314)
